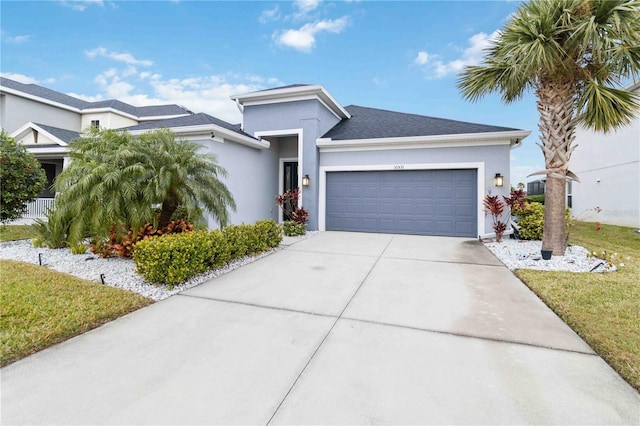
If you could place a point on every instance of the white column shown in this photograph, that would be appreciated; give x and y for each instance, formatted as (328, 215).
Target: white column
(66, 160)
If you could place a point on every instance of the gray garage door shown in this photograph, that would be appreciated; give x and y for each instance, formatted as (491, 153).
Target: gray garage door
(422, 202)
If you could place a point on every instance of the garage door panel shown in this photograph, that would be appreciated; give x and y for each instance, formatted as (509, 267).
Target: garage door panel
(426, 202)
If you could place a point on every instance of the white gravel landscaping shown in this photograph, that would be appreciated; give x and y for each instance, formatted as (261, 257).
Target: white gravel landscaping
(116, 272)
(519, 254)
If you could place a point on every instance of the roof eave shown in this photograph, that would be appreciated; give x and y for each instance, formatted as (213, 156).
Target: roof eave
(210, 131)
(513, 138)
(22, 132)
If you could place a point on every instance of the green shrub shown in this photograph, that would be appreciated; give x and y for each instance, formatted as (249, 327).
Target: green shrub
(270, 234)
(173, 258)
(22, 178)
(177, 257)
(293, 229)
(531, 222)
(53, 232)
(536, 199)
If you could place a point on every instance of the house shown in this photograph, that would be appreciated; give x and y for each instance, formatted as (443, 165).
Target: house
(608, 165)
(364, 169)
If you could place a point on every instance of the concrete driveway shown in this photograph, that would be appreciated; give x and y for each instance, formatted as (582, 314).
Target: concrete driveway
(342, 328)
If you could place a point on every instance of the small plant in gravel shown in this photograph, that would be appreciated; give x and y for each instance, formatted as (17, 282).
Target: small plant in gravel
(295, 217)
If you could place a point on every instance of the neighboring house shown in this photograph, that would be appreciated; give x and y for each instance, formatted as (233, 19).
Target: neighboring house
(536, 187)
(608, 166)
(368, 169)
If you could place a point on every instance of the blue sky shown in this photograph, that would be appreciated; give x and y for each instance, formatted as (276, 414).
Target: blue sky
(401, 56)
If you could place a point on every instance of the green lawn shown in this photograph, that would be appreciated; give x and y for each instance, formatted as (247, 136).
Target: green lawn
(17, 232)
(40, 307)
(603, 308)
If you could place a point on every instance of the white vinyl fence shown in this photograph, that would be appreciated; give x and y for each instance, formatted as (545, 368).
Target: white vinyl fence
(38, 208)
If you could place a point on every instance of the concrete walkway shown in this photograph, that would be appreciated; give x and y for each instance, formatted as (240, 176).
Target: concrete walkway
(342, 328)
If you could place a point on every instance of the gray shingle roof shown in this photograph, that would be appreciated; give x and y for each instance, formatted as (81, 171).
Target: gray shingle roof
(63, 134)
(289, 86)
(189, 120)
(52, 95)
(371, 123)
(43, 92)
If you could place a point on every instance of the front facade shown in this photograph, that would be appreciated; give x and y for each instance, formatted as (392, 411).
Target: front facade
(608, 166)
(366, 169)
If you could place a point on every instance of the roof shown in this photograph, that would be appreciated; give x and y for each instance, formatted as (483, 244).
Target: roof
(291, 93)
(372, 123)
(189, 120)
(289, 86)
(64, 135)
(82, 105)
(43, 92)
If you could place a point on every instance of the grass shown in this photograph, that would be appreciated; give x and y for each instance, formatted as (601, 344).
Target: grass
(40, 307)
(603, 308)
(17, 232)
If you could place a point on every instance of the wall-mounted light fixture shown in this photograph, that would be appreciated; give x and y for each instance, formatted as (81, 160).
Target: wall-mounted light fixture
(305, 180)
(498, 180)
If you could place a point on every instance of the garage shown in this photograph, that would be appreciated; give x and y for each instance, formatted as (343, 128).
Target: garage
(419, 202)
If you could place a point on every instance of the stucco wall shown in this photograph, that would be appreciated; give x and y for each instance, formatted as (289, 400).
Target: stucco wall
(495, 159)
(608, 166)
(19, 111)
(252, 179)
(108, 120)
(314, 120)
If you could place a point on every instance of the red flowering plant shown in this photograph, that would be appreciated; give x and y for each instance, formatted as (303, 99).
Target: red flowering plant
(295, 217)
(499, 208)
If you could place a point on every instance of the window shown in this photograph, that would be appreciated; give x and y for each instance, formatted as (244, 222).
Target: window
(95, 124)
(569, 194)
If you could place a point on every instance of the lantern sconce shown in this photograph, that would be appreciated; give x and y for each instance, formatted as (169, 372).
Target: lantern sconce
(305, 180)
(498, 180)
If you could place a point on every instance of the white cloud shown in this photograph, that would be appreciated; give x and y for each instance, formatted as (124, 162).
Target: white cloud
(304, 39)
(269, 15)
(304, 7)
(17, 39)
(127, 58)
(80, 5)
(86, 98)
(25, 79)
(436, 67)
(422, 58)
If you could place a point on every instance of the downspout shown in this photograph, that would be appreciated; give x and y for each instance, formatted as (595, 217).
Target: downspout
(241, 109)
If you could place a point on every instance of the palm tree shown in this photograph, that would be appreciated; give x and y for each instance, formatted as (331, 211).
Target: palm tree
(572, 54)
(118, 179)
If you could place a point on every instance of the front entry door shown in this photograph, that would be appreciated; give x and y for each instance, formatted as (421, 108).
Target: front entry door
(289, 182)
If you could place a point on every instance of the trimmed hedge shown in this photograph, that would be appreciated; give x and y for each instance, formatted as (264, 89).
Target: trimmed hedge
(175, 258)
(531, 221)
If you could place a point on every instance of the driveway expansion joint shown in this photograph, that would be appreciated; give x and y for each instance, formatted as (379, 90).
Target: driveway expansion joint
(469, 336)
(454, 262)
(255, 305)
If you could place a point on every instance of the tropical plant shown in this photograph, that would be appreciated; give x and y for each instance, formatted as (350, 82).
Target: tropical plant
(573, 54)
(295, 217)
(498, 209)
(116, 179)
(21, 178)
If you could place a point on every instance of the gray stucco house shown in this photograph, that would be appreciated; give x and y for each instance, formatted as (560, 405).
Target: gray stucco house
(368, 169)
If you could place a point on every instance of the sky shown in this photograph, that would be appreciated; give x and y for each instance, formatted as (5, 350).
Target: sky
(399, 56)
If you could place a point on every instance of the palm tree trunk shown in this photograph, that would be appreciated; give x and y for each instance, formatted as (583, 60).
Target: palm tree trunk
(168, 209)
(553, 232)
(556, 105)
